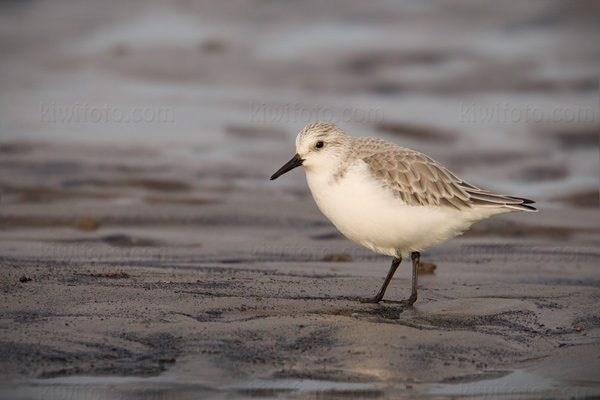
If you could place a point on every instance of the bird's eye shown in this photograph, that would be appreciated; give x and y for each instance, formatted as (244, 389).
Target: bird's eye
(319, 144)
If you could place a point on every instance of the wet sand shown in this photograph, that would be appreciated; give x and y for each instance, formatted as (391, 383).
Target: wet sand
(100, 279)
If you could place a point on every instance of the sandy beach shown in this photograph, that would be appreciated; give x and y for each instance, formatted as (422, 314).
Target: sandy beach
(155, 260)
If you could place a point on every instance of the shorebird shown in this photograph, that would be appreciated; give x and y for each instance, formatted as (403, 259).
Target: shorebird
(390, 199)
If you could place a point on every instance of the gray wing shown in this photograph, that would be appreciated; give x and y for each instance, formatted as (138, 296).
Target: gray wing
(419, 180)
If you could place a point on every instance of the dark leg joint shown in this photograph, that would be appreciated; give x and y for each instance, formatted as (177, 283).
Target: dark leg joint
(379, 296)
(415, 256)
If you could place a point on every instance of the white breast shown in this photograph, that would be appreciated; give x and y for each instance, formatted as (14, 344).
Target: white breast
(369, 214)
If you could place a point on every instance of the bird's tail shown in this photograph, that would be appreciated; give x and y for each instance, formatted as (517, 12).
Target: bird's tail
(524, 204)
(488, 199)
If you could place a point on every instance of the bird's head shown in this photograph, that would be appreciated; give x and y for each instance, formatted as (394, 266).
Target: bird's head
(319, 146)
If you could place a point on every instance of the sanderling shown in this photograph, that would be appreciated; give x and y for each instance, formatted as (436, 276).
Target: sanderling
(390, 199)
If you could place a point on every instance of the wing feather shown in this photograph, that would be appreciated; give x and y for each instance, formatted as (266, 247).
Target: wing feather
(419, 180)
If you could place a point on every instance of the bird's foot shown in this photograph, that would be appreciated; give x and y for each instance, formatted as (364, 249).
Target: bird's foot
(405, 302)
(365, 300)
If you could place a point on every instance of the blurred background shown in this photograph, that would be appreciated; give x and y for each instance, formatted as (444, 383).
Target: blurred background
(506, 96)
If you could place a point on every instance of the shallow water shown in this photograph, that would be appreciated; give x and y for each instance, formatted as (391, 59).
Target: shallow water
(519, 384)
(484, 86)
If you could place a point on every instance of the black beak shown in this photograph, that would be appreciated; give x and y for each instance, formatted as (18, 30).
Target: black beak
(290, 165)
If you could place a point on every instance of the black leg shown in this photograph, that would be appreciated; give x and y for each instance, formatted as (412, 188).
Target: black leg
(416, 256)
(379, 296)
